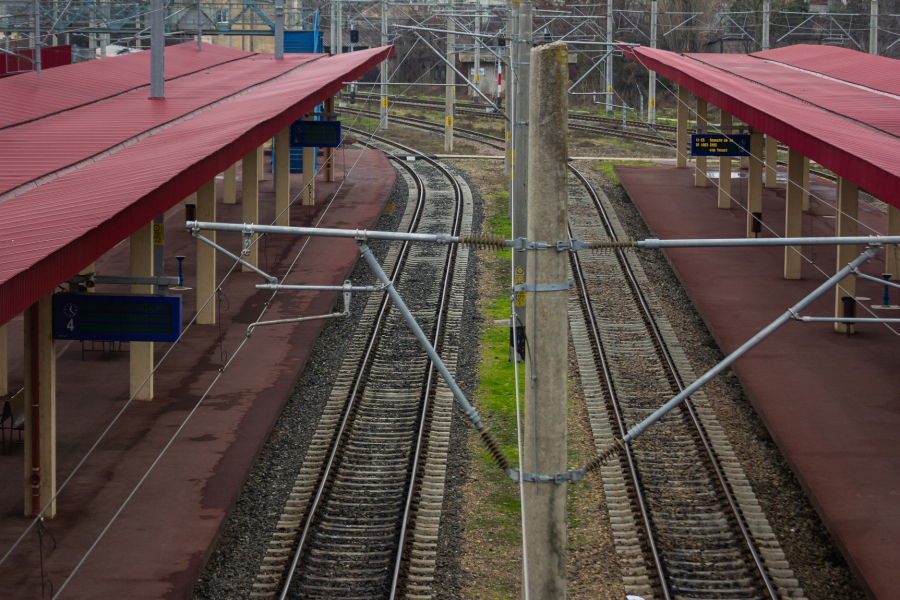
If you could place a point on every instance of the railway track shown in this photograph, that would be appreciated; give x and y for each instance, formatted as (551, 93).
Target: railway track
(482, 111)
(686, 522)
(360, 521)
(576, 123)
(470, 134)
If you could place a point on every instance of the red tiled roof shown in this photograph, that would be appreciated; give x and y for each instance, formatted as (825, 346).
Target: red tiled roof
(876, 72)
(51, 232)
(849, 149)
(27, 96)
(860, 104)
(106, 123)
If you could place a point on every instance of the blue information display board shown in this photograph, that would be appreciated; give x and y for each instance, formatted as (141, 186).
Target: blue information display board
(717, 144)
(320, 134)
(116, 318)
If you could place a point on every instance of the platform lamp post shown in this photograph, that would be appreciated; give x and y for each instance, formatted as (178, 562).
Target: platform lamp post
(157, 49)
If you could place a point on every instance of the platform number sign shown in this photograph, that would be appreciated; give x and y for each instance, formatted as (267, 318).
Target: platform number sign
(126, 318)
(717, 144)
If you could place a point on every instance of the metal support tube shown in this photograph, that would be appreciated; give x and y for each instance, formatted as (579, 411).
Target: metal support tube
(199, 26)
(873, 28)
(384, 67)
(874, 240)
(766, 16)
(651, 108)
(357, 234)
(319, 288)
(875, 279)
(157, 49)
(609, 60)
(234, 257)
(488, 100)
(279, 29)
(747, 346)
(844, 320)
(37, 37)
(420, 336)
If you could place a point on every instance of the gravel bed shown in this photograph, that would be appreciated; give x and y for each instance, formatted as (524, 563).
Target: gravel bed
(818, 565)
(233, 565)
(448, 576)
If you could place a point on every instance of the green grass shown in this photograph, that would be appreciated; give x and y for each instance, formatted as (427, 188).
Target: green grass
(606, 168)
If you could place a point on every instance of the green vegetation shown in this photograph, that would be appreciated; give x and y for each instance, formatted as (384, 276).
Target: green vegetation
(606, 168)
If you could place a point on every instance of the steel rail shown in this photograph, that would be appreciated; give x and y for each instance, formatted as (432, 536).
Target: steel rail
(348, 410)
(483, 138)
(620, 422)
(676, 377)
(421, 435)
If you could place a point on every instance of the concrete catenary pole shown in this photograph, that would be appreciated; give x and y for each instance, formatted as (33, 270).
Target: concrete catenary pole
(651, 102)
(157, 49)
(519, 174)
(507, 79)
(384, 67)
(199, 26)
(332, 40)
(450, 93)
(766, 16)
(279, 28)
(609, 58)
(544, 443)
(873, 27)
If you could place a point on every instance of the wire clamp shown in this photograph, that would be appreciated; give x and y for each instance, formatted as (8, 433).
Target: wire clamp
(544, 287)
(572, 245)
(570, 476)
(523, 244)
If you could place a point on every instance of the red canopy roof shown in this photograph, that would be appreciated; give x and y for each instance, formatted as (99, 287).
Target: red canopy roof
(802, 110)
(50, 232)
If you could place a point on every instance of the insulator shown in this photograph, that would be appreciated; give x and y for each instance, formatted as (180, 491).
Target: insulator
(487, 240)
(494, 449)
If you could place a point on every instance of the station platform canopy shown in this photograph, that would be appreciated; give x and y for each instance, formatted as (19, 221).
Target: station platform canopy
(837, 107)
(87, 158)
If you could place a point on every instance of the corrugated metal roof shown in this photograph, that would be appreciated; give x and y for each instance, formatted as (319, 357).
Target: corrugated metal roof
(27, 96)
(876, 72)
(866, 157)
(101, 125)
(51, 232)
(874, 109)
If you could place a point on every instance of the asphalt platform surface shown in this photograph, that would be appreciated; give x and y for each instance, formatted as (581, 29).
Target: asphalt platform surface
(830, 401)
(158, 544)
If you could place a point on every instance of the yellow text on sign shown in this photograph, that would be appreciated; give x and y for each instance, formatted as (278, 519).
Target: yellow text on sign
(519, 279)
(158, 234)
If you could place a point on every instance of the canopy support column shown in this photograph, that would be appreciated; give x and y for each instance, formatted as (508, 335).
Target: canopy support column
(771, 161)
(725, 169)
(892, 251)
(229, 185)
(700, 161)
(283, 177)
(845, 224)
(250, 165)
(206, 255)
(681, 129)
(755, 184)
(141, 354)
(793, 214)
(40, 408)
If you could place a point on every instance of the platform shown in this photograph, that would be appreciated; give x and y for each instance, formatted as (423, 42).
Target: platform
(830, 401)
(159, 544)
